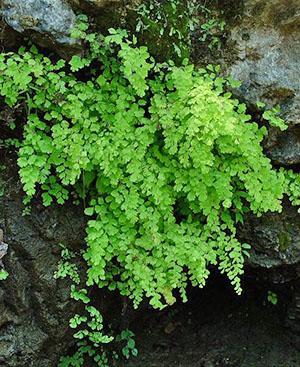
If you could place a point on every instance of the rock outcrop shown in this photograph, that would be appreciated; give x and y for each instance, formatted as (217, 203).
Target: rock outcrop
(48, 22)
(276, 241)
(267, 62)
(34, 307)
(267, 42)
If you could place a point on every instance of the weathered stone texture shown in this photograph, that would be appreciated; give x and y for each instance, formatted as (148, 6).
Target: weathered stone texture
(34, 307)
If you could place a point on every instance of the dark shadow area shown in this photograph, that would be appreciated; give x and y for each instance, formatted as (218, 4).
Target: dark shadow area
(218, 328)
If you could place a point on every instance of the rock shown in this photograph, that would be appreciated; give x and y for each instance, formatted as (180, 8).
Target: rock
(107, 14)
(267, 41)
(266, 36)
(8, 37)
(96, 4)
(3, 248)
(284, 147)
(275, 257)
(275, 241)
(48, 22)
(34, 307)
(293, 315)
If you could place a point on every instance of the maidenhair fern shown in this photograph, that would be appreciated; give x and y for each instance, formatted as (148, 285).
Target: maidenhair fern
(167, 159)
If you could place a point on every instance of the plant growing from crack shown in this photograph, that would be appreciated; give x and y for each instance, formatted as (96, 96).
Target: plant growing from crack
(166, 159)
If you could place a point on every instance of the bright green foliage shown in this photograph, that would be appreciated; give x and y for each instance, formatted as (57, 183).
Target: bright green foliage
(272, 298)
(93, 324)
(169, 160)
(272, 116)
(274, 119)
(80, 356)
(92, 342)
(129, 348)
(79, 295)
(293, 186)
(3, 274)
(66, 268)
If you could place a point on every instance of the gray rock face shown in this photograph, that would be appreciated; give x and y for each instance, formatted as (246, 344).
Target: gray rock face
(267, 62)
(50, 20)
(276, 241)
(267, 39)
(34, 307)
(275, 256)
(284, 147)
(268, 42)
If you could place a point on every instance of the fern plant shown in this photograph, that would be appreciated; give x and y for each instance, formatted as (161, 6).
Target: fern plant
(3, 274)
(168, 161)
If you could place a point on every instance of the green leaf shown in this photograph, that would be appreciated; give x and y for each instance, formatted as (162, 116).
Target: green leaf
(3, 274)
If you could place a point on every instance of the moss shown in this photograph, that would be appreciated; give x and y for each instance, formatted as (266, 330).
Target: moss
(165, 30)
(284, 240)
(105, 14)
(232, 10)
(279, 94)
(259, 8)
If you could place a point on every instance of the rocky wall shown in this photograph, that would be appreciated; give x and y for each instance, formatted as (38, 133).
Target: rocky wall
(264, 40)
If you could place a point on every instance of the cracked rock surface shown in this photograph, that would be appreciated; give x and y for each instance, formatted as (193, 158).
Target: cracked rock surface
(34, 307)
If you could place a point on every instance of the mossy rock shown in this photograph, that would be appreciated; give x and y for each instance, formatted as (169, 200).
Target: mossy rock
(285, 240)
(163, 26)
(164, 29)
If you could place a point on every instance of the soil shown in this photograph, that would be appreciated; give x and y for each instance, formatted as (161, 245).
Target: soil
(218, 328)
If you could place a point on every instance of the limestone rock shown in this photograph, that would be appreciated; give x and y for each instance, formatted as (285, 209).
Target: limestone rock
(266, 35)
(267, 40)
(48, 22)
